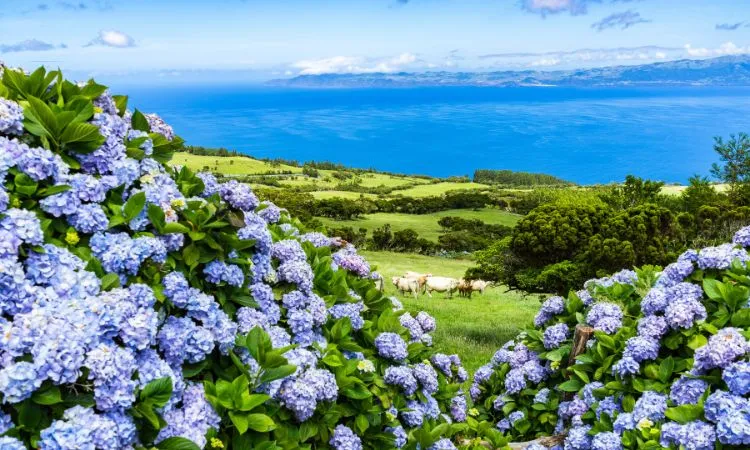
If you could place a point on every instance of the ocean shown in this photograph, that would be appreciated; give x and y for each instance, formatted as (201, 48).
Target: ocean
(595, 135)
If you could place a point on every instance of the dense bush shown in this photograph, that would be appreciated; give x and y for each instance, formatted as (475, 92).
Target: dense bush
(667, 366)
(556, 247)
(511, 178)
(143, 305)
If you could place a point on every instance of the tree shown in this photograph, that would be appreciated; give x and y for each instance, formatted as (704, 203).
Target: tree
(735, 168)
(635, 191)
(698, 193)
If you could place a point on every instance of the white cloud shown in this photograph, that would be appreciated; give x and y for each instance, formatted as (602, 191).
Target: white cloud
(725, 49)
(355, 64)
(113, 38)
(545, 62)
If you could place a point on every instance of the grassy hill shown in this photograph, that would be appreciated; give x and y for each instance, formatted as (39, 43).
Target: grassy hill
(424, 224)
(472, 328)
(329, 182)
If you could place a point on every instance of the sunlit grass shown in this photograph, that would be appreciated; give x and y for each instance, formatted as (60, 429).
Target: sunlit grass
(472, 328)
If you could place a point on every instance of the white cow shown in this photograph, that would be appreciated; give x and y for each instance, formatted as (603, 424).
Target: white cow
(405, 285)
(479, 286)
(441, 284)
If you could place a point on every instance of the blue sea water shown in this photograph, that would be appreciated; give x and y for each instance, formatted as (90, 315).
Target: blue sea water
(583, 135)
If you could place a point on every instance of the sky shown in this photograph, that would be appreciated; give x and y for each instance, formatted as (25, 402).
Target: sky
(174, 40)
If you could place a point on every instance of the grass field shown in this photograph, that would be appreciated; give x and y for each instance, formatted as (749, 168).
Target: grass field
(472, 328)
(677, 190)
(424, 224)
(229, 165)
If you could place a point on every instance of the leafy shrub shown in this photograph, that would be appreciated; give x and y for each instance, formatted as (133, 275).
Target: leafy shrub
(143, 305)
(667, 366)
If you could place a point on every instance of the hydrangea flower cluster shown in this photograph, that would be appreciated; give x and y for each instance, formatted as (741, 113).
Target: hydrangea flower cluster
(667, 365)
(120, 276)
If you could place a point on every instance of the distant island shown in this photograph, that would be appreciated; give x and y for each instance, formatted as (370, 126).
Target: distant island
(723, 71)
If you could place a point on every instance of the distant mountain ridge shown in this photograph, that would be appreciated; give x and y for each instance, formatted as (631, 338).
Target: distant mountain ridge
(722, 71)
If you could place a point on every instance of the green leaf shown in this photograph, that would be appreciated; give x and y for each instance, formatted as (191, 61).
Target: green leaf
(77, 133)
(362, 423)
(158, 391)
(24, 184)
(713, 288)
(174, 227)
(665, 369)
(570, 386)
(248, 402)
(134, 206)
(260, 423)
(277, 373)
(697, 341)
(121, 101)
(51, 396)
(139, 122)
(240, 421)
(40, 120)
(93, 90)
(684, 413)
(191, 254)
(52, 190)
(110, 281)
(177, 443)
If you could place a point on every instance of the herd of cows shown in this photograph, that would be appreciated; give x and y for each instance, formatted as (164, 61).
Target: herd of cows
(426, 283)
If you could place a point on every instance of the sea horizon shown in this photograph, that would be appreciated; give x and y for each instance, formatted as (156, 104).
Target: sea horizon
(588, 135)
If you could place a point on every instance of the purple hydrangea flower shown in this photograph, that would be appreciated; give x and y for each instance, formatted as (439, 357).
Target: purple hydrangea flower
(343, 438)
(550, 308)
(737, 377)
(391, 346)
(686, 391)
(555, 335)
(722, 349)
(11, 117)
(606, 317)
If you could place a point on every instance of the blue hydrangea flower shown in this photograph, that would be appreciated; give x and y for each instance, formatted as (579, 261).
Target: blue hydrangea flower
(11, 117)
(391, 346)
(686, 391)
(606, 441)
(343, 438)
(651, 405)
(550, 308)
(348, 259)
(89, 218)
(720, 403)
(606, 317)
(641, 349)
(722, 349)
(737, 377)
(555, 335)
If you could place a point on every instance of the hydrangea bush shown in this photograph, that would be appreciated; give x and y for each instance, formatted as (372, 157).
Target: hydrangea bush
(142, 305)
(667, 366)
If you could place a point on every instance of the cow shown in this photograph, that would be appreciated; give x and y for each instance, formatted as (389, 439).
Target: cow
(467, 287)
(464, 288)
(479, 286)
(405, 285)
(420, 277)
(441, 284)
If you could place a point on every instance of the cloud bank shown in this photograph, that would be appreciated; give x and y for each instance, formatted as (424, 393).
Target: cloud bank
(355, 64)
(29, 45)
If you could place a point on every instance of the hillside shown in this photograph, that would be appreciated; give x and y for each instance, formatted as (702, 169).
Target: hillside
(723, 71)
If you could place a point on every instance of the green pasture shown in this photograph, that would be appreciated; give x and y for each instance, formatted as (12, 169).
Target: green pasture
(472, 328)
(424, 224)
(229, 165)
